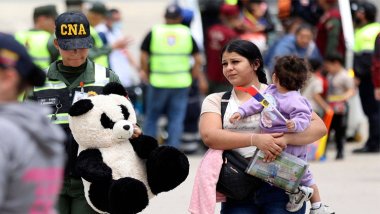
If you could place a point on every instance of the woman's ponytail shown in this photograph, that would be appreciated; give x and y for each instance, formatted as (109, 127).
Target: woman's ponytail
(261, 75)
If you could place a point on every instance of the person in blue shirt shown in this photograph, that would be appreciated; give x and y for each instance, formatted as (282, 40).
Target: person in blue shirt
(300, 44)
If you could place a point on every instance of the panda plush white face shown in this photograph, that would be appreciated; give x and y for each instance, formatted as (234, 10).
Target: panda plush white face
(102, 120)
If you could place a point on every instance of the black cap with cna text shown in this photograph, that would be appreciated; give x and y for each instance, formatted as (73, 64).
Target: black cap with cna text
(72, 31)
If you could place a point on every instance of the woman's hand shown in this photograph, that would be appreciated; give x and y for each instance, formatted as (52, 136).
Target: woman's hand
(268, 144)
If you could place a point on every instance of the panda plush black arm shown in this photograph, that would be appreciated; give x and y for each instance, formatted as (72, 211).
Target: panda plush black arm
(143, 145)
(90, 166)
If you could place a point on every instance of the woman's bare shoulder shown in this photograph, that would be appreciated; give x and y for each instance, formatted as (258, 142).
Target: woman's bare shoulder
(215, 96)
(212, 103)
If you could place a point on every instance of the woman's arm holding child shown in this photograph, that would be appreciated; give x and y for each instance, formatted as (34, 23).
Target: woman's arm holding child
(315, 131)
(210, 127)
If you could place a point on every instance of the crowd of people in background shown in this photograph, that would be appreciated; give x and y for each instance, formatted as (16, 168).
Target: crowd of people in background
(172, 74)
(312, 30)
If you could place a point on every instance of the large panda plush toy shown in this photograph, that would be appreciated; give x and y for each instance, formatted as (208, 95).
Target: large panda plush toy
(120, 174)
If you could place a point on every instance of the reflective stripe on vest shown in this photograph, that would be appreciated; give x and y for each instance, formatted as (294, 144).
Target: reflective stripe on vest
(98, 43)
(170, 47)
(365, 38)
(62, 118)
(51, 85)
(35, 43)
(100, 80)
(58, 89)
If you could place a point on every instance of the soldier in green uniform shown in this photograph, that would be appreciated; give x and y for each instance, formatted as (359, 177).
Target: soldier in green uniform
(69, 80)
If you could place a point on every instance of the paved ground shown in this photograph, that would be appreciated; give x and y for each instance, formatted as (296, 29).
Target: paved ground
(351, 186)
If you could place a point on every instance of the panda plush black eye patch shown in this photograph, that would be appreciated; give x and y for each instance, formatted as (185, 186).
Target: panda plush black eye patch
(125, 111)
(107, 123)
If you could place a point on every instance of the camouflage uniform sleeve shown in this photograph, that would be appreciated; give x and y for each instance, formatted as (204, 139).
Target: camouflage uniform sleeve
(333, 31)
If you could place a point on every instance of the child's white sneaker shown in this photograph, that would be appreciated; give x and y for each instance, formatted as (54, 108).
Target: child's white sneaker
(323, 209)
(296, 200)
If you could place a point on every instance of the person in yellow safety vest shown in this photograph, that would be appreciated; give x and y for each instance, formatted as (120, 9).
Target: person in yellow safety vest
(100, 52)
(365, 36)
(166, 64)
(37, 40)
(231, 2)
(68, 80)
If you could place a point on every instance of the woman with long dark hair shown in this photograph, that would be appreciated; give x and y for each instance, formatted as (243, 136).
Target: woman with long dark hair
(243, 66)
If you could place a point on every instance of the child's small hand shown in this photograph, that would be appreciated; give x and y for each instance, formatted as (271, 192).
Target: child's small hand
(290, 125)
(235, 117)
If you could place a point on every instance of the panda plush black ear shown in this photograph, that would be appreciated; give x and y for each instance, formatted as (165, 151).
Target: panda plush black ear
(80, 107)
(115, 88)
